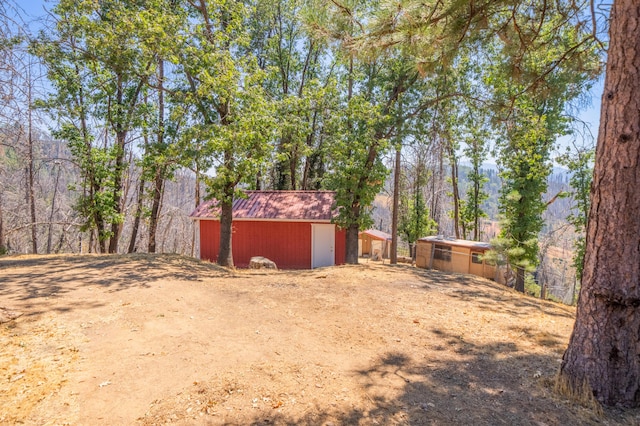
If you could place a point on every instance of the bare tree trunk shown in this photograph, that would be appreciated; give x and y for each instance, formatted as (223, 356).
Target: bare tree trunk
(158, 182)
(31, 173)
(30, 201)
(138, 215)
(53, 208)
(164, 234)
(454, 189)
(225, 252)
(158, 190)
(116, 226)
(396, 206)
(604, 348)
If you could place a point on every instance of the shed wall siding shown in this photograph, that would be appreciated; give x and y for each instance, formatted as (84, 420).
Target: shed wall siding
(460, 261)
(366, 244)
(288, 244)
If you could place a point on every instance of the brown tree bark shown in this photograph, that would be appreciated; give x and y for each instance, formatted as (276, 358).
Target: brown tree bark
(520, 275)
(604, 350)
(351, 241)
(225, 253)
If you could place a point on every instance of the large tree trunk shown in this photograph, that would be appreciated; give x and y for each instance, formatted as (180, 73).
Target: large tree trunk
(196, 204)
(604, 349)
(351, 256)
(225, 254)
(520, 275)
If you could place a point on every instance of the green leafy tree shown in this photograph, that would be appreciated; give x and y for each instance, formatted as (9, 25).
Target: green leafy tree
(415, 222)
(472, 212)
(99, 66)
(298, 69)
(532, 86)
(358, 170)
(579, 161)
(223, 88)
(365, 118)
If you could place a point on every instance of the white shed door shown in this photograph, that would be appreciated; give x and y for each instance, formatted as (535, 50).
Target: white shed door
(323, 242)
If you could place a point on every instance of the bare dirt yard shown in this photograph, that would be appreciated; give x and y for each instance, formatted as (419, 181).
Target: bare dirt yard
(119, 340)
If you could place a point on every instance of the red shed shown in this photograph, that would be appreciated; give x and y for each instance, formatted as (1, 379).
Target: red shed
(292, 228)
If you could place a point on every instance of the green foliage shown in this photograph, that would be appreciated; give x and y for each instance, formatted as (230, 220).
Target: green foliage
(297, 94)
(232, 118)
(356, 156)
(526, 167)
(95, 202)
(531, 287)
(580, 164)
(532, 85)
(100, 57)
(476, 137)
(414, 218)
(299, 81)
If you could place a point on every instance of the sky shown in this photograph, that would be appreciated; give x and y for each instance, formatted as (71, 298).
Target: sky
(589, 113)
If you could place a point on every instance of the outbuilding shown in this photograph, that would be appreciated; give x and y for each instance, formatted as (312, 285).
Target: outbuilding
(292, 228)
(374, 243)
(454, 255)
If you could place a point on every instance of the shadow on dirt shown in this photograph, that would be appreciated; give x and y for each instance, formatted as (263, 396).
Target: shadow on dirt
(30, 279)
(478, 389)
(483, 293)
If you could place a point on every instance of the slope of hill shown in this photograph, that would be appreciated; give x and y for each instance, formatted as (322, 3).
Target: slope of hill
(167, 339)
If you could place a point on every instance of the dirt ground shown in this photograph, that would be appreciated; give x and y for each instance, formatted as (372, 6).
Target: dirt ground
(119, 340)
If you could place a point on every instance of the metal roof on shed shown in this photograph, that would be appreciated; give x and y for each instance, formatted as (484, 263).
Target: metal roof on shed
(379, 235)
(455, 242)
(275, 205)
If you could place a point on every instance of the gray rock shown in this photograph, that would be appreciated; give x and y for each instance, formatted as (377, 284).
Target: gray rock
(259, 262)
